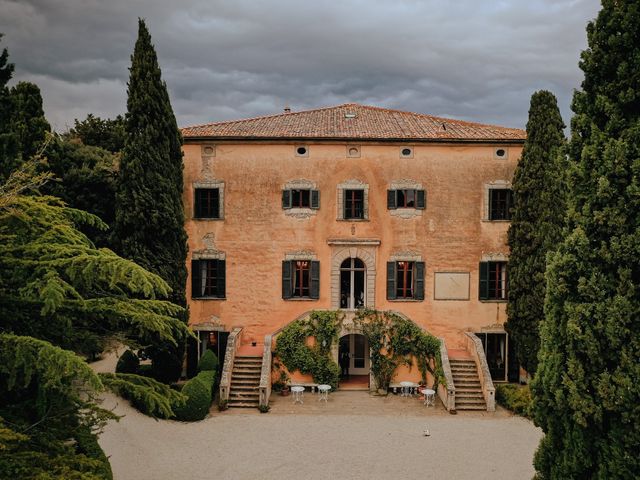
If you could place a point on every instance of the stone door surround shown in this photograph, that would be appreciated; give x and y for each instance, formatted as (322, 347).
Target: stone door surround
(365, 250)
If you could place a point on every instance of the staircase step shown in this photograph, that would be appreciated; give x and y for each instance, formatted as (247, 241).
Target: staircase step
(469, 401)
(470, 407)
(240, 387)
(243, 404)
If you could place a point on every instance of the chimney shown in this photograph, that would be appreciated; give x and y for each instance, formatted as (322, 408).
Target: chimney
(287, 109)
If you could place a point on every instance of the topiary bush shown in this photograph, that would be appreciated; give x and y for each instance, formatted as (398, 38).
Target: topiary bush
(515, 398)
(198, 391)
(128, 363)
(208, 361)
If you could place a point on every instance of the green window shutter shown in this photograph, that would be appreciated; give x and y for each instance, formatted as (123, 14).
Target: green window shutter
(286, 199)
(286, 279)
(391, 280)
(196, 279)
(222, 278)
(421, 199)
(315, 199)
(391, 200)
(491, 210)
(483, 288)
(419, 281)
(197, 210)
(314, 291)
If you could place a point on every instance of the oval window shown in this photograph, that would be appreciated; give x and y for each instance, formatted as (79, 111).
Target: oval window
(301, 150)
(406, 152)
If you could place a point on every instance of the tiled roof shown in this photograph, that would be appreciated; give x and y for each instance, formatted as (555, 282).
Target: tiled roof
(354, 121)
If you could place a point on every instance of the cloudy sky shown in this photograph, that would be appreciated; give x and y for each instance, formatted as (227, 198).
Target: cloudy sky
(222, 60)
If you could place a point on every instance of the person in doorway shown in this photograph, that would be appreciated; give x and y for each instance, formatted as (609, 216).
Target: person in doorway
(344, 364)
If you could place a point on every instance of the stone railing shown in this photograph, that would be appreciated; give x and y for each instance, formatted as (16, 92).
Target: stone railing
(447, 393)
(474, 347)
(265, 373)
(233, 343)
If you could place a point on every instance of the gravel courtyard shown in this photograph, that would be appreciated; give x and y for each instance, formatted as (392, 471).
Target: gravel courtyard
(354, 436)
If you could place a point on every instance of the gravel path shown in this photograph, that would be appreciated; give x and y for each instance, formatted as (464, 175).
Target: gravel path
(305, 443)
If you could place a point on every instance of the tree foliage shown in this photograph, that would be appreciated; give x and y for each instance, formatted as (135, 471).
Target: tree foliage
(146, 394)
(58, 290)
(587, 388)
(85, 178)
(107, 134)
(149, 224)
(539, 206)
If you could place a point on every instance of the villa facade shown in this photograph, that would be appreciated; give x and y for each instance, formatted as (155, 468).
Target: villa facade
(350, 207)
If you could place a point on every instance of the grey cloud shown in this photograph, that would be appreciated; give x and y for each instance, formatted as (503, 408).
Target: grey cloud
(221, 60)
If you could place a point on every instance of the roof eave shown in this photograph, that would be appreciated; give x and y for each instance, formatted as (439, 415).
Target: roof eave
(214, 138)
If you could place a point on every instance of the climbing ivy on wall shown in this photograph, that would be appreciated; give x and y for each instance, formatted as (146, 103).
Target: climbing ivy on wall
(395, 341)
(295, 354)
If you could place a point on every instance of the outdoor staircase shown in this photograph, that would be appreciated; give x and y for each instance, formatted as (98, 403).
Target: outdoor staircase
(245, 381)
(468, 389)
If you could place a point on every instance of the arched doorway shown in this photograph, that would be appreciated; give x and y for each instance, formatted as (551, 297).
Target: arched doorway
(354, 360)
(352, 284)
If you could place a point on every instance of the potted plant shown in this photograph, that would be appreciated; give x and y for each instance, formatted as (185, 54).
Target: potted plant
(284, 380)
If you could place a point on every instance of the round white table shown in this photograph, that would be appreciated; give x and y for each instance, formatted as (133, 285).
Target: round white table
(429, 396)
(323, 391)
(298, 393)
(407, 387)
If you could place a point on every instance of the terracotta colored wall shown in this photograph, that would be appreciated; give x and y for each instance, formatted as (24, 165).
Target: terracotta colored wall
(256, 234)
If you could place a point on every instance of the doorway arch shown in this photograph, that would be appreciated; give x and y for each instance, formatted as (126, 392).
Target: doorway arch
(369, 275)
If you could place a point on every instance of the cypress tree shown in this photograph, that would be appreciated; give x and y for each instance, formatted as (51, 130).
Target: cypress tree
(535, 229)
(587, 388)
(149, 223)
(27, 118)
(8, 140)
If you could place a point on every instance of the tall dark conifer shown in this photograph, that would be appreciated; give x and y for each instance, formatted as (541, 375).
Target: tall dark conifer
(536, 222)
(587, 388)
(149, 225)
(8, 140)
(27, 118)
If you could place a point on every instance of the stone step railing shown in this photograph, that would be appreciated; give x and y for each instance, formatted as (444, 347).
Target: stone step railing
(474, 347)
(233, 343)
(265, 373)
(446, 393)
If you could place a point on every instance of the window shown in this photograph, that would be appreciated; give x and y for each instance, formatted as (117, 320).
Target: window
(500, 203)
(493, 281)
(300, 279)
(208, 278)
(405, 280)
(353, 204)
(405, 198)
(207, 203)
(300, 198)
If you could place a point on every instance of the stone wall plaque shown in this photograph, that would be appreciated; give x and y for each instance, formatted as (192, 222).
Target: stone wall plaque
(451, 286)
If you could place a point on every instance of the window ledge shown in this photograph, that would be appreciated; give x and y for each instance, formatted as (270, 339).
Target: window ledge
(406, 213)
(405, 300)
(493, 301)
(352, 219)
(300, 299)
(207, 219)
(208, 298)
(495, 221)
(300, 212)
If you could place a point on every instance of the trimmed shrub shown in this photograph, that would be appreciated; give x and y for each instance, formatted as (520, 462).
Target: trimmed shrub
(128, 363)
(87, 444)
(209, 361)
(198, 391)
(515, 398)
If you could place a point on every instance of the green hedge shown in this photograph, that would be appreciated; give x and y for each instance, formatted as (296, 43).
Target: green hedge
(128, 363)
(208, 361)
(516, 398)
(199, 393)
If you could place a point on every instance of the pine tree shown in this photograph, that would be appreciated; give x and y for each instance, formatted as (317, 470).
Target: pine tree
(149, 226)
(58, 290)
(538, 214)
(587, 388)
